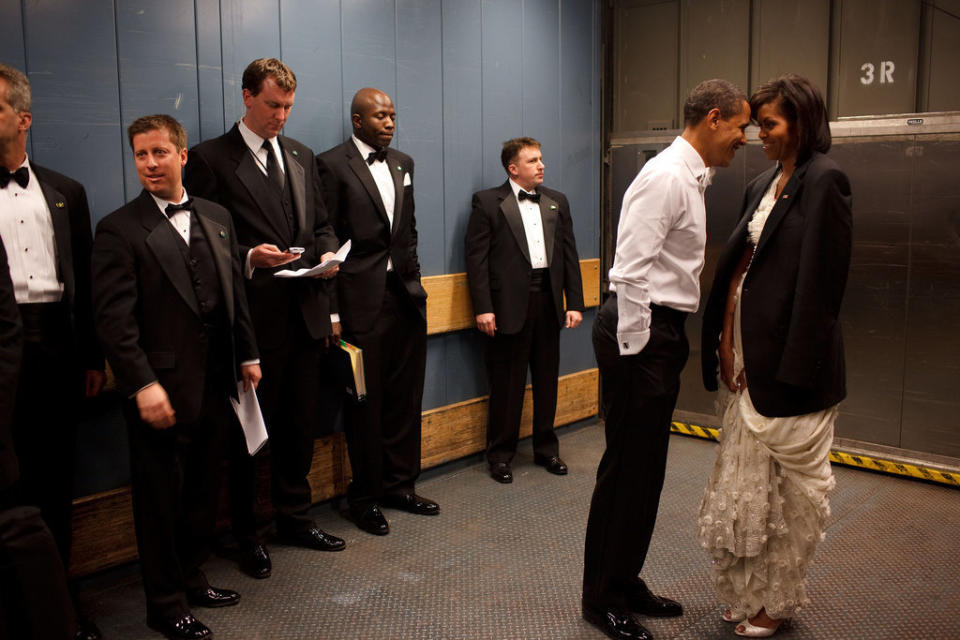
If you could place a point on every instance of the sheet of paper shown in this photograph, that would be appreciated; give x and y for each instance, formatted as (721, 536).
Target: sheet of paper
(251, 419)
(326, 265)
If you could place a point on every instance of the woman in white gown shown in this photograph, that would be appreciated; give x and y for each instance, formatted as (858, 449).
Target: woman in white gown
(771, 327)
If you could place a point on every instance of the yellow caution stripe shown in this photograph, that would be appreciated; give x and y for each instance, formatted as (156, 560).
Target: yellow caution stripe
(848, 459)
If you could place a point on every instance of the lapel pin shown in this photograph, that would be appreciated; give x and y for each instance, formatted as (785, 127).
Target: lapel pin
(294, 152)
(60, 205)
(399, 168)
(552, 207)
(223, 234)
(786, 195)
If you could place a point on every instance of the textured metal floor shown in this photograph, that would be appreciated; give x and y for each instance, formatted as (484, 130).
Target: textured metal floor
(504, 561)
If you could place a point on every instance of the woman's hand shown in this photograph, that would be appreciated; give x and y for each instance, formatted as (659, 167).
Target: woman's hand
(725, 351)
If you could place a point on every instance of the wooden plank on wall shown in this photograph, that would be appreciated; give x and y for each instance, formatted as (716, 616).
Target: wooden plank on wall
(103, 533)
(448, 297)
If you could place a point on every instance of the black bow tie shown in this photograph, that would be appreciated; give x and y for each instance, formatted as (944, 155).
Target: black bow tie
(375, 156)
(21, 176)
(532, 197)
(186, 205)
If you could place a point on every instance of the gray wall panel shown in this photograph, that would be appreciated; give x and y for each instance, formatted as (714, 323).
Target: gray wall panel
(540, 72)
(790, 36)
(462, 123)
(76, 105)
(158, 71)
(369, 50)
(209, 69)
(12, 51)
(249, 30)
(502, 83)
(943, 90)
(419, 102)
(310, 33)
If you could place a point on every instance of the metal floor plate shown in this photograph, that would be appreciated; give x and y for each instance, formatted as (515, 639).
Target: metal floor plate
(505, 562)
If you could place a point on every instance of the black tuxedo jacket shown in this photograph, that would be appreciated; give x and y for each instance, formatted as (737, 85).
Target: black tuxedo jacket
(67, 202)
(358, 214)
(498, 259)
(792, 343)
(147, 312)
(11, 346)
(223, 170)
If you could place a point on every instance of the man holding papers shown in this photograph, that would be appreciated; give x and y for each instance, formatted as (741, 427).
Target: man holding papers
(171, 314)
(268, 183)
(368, 189)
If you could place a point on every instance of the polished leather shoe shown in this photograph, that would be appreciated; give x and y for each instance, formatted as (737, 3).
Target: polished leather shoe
(314, 538)
(643, 601)
(212, 598)
(86, 629)
(371, 520)
(185, 628)
(616, 623)
(500, 471)
(255, 562)
(412, 503)
(553, 464)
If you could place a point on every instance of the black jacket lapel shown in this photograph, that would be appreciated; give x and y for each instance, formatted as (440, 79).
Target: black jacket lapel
(219, 243)
(298, 186)
(362, 171)
(549, 210)
(396, 170)
(511, 211)
(60, 216)
(250, 176)
(783, 205)
(162, 243)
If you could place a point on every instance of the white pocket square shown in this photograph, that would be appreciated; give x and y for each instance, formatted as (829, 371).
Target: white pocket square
(406, 180)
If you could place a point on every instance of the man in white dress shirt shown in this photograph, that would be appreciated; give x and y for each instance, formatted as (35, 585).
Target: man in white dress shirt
(641, 348)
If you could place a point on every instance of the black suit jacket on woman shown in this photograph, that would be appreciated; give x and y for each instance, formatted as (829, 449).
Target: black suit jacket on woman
(358, 214)
(147, 311)
(223, 170)
(498, 259)
(792, 343)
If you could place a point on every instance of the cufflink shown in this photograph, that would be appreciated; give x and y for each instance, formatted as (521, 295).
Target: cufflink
(626, 345)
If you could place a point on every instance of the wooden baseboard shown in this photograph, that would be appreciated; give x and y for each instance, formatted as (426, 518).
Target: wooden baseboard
(448, 298)
(103, 532)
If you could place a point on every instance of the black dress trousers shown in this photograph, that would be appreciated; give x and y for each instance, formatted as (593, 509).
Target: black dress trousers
(639, 395)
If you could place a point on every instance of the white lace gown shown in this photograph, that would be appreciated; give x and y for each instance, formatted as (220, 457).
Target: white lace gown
(765, 504)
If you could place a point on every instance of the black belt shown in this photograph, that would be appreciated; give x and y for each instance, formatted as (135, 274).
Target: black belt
(540, 280)
(669, 314)
(40, 317)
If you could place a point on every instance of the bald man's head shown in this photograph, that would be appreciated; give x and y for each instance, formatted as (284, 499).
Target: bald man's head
(373, 117)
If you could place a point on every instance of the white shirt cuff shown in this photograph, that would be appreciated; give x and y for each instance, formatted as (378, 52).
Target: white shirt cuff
(334, 317)
(249, 362)
(247, 267)
(632, 343)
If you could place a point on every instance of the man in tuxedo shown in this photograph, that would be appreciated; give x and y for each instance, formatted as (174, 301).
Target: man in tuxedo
(34, 601)
(45, 225)
(368, 189)
(172, 316)
(521, 260)
(641, 347)
(268, 182)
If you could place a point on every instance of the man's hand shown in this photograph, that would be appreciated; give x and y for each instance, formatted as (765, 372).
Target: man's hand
(268, 255)
(336, 331)
(574, 318)
(94, 381)
(329, 273)
(487, 323)
(251, 376)
(155, 408)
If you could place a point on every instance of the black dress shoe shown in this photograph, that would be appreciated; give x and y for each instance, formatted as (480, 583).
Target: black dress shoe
(255, 562)
(370, 520)
(616, 624)
(212, 598)
(86, 629)
(185, 628)
(314, 538)
(643, 601)
(553, 464)
(412, 503)
(500, 471)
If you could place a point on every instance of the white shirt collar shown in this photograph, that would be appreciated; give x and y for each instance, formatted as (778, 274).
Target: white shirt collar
(690, 156)
(364, 149)
(517, 189)
(253, 140)
(163, 203)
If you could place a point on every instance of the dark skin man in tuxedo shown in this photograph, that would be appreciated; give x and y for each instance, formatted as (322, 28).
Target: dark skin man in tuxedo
(368, 189)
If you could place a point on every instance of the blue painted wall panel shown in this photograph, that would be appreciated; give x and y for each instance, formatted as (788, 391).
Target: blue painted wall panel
(209, 69)
(369, 50)
(502, 82)
(462, 123)
(310, 32)
(72, 64)
(419, 103)
(156, 47)
(250, 29)
(541, 82)
(12, 51)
